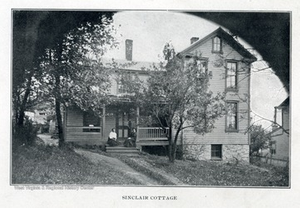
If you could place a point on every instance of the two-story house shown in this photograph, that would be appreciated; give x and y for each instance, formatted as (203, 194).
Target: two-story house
(228, 64)
(280, 144)
(122, 114)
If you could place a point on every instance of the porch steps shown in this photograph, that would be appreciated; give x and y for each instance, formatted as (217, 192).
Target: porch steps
(123, 150)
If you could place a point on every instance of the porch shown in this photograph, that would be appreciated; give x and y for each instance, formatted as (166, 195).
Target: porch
(87, 128)
(152, 136)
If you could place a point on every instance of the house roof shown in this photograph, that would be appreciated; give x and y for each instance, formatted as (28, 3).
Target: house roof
(285, 103)
(128, 65)
(225, 36)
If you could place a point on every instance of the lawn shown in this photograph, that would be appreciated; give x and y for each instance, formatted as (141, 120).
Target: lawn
(51, 165)
(212, 173)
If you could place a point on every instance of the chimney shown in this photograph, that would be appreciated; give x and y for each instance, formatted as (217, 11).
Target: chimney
(194, 39)
(128, 50)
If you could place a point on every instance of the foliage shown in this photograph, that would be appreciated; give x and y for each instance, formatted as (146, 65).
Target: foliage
(24, 135)
(60, 59)
(177, 96)
(259, 139)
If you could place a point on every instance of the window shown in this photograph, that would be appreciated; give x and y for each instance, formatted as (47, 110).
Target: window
(273, 147)
(91, 120)
(202, 66)
(121, 87)
(231, 116)
(216, 151)
(217, 45)
(231, 75)
(123, 79)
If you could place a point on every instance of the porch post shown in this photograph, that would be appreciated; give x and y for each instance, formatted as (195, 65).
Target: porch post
(103, 121)
(117, 122)
(123, 124)
(64, 123)
(137, 128)
(137, 115)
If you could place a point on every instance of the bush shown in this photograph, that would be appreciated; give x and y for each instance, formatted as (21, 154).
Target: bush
(25, 134)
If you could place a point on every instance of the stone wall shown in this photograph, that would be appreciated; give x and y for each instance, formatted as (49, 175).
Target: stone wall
(229, 152)
(197, 152)
(233, 152)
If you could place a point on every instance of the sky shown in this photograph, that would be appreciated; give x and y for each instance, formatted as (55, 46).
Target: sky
(151, 30)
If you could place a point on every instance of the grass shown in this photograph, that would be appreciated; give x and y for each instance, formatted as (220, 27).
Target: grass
(51, 165)
(41, 164)
(212, 173)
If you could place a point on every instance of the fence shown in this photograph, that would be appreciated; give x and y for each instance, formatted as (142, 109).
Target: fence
(269, 160)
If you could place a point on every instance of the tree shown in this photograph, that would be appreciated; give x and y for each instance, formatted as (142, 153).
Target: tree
(25, 38)
(64, 58)
(177, 97)
(73, 66)
(259, 139)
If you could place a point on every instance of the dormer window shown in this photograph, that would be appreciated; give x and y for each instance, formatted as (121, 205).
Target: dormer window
(217, 45)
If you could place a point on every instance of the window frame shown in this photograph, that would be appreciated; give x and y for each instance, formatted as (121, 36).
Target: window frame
(273, 147)
(201, 61)
(219, 48)
(120, 85)
(216, 152)
(204, 62)
(235, 88)
(236, 129)
(95, 124)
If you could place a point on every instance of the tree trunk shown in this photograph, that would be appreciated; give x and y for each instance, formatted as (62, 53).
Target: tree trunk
(59, 123)
(21, 113)
(58, 110)
(57, 95)
(174, 144)
(174, 152)
(170, 143)
(171, 153)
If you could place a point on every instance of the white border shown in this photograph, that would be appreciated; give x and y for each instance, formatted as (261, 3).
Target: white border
(111, 197)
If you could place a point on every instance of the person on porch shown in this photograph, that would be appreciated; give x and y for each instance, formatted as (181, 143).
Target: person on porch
(112, 138)
(130, 141)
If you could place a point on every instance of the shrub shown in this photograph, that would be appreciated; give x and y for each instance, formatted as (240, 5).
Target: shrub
(25, 134)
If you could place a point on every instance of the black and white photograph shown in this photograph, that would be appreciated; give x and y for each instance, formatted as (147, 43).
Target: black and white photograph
(140, 99)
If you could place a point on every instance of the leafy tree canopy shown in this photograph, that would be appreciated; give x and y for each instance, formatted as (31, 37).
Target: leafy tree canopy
(57, 58)
(177, 96)
(259, 139)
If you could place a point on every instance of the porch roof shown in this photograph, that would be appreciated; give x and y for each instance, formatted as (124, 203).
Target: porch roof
(129, 65)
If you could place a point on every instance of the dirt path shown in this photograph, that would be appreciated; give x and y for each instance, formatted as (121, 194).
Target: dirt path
(117, 164)
(48, 140)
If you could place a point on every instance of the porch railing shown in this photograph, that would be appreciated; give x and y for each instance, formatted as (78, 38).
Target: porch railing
(152, 136)
(84, 129)
(151, 133)
(87, 133)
